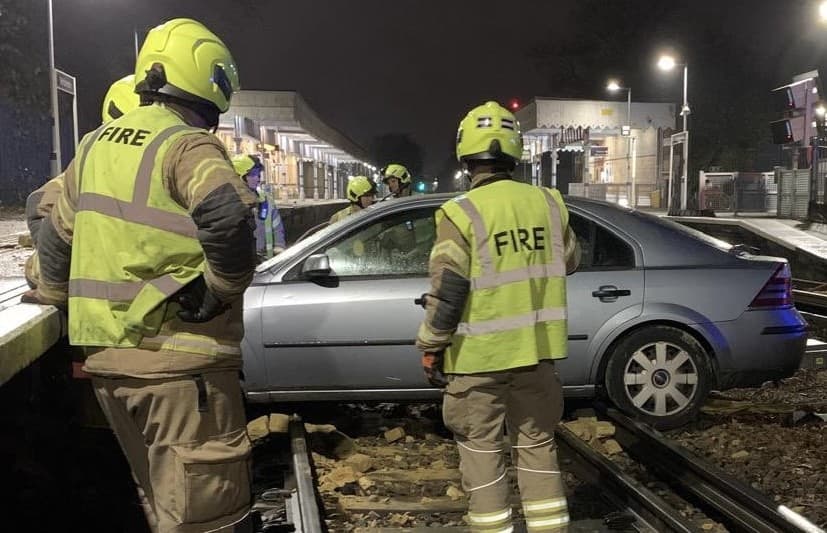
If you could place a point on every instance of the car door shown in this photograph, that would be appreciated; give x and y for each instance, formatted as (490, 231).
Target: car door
(354, 328)
(605, 292)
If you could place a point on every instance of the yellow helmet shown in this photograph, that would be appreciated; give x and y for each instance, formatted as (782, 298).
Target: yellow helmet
(244, 163)
(182, 58)
(489, 131)
(395, 170)
(120, 99)
(358, 187)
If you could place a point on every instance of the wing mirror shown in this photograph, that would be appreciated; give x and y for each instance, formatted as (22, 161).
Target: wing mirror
(317, 265)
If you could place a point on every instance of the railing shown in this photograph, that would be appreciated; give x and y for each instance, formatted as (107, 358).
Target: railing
(618, 193)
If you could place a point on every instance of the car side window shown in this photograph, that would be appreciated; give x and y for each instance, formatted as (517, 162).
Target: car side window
(600, 248)
(396, 245)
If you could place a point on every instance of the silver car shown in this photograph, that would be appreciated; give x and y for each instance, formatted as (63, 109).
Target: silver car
(659, 314)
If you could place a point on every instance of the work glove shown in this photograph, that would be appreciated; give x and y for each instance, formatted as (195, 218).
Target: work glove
(432, 366)
(198, 303)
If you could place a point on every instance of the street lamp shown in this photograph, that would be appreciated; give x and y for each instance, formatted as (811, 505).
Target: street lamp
(822, 11)
(667, 63)
(613, 86)
(54, 157)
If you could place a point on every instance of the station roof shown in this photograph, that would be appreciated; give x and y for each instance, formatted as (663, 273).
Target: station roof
(550, 115)
(285, 114)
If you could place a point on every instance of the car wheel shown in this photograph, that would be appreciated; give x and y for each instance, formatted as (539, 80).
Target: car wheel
(660, 375)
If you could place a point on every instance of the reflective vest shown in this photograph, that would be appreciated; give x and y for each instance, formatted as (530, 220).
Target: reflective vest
(133, 245)
(515, 314)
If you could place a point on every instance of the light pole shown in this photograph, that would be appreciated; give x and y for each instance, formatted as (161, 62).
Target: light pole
(668, 63)
(54, 157)
(614, 86)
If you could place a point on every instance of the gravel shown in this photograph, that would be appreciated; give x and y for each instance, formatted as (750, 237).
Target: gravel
(775, 442)
(12, 260)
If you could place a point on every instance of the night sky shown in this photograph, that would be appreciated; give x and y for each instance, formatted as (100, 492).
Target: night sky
(403, 66)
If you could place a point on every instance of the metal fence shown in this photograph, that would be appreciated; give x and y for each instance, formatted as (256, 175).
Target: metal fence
(793, 193)
(618, 193)
(738, 192)
(818, 183)
(25, 144)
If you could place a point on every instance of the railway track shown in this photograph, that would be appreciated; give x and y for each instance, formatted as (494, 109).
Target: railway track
(810, 297)
(718, 500)
(811, 301)
(286, 497)
(736, 505)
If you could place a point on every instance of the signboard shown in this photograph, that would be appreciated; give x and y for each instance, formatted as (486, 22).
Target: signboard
(65, 82)
(625, 131)
(574, 135)
(676, 138)
(599, 151)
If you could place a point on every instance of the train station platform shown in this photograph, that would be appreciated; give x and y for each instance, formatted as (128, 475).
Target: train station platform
(27, 331)
(791, 234)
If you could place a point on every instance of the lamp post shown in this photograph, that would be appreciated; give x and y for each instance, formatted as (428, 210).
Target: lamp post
(668, 63)
(614, 86)
(54, 157)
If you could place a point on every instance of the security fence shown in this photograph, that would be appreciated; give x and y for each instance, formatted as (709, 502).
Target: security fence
(738, 192)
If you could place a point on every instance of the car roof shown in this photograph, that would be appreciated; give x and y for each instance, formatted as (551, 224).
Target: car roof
(664, 243)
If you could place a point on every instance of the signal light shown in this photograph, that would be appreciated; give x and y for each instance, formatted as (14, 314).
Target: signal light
(514, 104)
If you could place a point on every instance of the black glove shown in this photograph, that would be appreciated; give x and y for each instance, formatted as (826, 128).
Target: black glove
(432, 366)
(198, 303)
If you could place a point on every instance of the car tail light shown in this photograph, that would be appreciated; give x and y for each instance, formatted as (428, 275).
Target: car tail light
(778, 291)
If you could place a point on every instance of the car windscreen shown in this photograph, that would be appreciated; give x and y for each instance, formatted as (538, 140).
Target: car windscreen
(685, 230)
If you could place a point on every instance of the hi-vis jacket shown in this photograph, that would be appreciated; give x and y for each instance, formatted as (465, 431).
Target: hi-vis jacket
(342, 214)
(498, 267)
(149, 204)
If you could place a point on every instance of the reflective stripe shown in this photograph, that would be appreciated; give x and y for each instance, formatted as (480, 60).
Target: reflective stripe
(451, 250)
(498, 450)
(85, 151)
(557, 472)
(553, 270)
(558, 246)
(498, 325)
(548, 522)
(480, 235)
(543, 443)
(545, 505)
(138, 214)
(488, 518)
(120, 291)
(180, 343)
(143, 179)
(488, 484)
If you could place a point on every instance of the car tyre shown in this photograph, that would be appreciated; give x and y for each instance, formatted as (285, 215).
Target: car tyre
(660, 375)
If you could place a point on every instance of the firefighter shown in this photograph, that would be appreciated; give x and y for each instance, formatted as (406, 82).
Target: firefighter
(161, 246)
(249, 168)
(398, 180)
(361, 192)
(496, 322)
(119, 99)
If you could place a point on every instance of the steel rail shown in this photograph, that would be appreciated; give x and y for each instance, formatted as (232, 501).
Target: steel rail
(741, 507)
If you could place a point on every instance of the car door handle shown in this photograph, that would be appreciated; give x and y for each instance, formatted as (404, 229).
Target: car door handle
(610, 293)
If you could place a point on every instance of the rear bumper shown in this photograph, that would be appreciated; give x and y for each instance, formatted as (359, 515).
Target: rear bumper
(759, 346)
